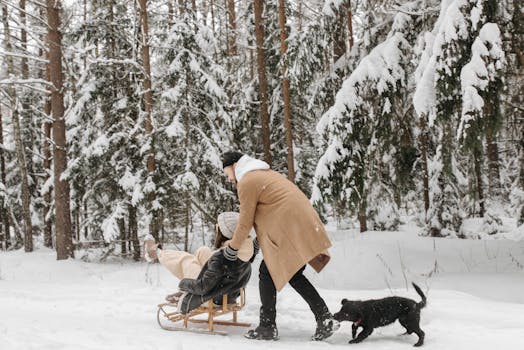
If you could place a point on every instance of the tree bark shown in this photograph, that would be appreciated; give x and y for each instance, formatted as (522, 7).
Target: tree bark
(251, 65)
(424, 150)
(64, 241)
(477, 158)
(27, 117)
(3, 209)
(187, 218)
(339, 44)
(262, 89)
(133, 232)
(19, 144)
(362, 217)
(285, 93)
(123, 235)
(148, 104)
(48, 225)
(170, 13)
(213, 15)
(349, 18)
(493, 163)
(232, 33)
(26, 197)
(5, 236)
(300, 16)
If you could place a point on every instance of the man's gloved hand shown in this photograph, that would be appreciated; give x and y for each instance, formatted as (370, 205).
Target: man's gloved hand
(256, 248)
(230, 255)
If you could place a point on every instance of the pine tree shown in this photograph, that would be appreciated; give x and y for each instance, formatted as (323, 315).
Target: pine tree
(262, 80)
(286, 93)
(19, 145)
(362, 156)
(192, 117)
(64, 244)
(481, 85)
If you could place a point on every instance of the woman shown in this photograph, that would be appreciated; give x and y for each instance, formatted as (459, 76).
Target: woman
(204, 275)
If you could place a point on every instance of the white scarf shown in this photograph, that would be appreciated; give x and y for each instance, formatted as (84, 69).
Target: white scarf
(246, 164)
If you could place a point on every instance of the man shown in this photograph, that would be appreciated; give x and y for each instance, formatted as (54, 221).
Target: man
(290, 235)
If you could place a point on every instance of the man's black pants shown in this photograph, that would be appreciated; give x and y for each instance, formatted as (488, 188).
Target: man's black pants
(299, 282)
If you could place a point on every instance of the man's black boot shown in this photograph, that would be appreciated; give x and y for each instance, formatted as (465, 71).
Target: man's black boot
(326, 326)
(269, 332)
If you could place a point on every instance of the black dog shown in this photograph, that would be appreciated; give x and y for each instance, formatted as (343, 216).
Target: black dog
(371, 314)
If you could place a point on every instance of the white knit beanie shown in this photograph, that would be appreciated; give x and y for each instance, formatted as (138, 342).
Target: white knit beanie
(227, 222)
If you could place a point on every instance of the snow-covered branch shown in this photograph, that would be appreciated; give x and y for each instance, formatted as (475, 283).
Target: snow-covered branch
(34, 58)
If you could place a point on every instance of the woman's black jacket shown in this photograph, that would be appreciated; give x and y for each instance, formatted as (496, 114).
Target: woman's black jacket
(218, 277)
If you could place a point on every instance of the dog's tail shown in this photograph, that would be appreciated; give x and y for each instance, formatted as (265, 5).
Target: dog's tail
(419, 291)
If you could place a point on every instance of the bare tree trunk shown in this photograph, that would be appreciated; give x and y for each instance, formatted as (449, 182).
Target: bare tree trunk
(493, 163)
(48, 225)
(20, 149)
(26, 197)
(148, 104)
(3, 210)
(362, 217)
(262, 89)
(251, 65)
(170, 12)
(4, 218)
(78, 215)
(339, 43)
(86, 229)
(64, 241)
(27, 118)
(424, 150)
(181, 7)
(213, 15)
(285, 93)
(300, 16)
(232, 42)
(188, 213)
(349, 18)
(133, 232)
(123, 235)
(477, 159)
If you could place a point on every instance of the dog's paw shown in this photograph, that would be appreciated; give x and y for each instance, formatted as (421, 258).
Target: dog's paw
(353, 341)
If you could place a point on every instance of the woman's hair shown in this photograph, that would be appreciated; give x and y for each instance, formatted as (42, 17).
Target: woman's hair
(219, 238)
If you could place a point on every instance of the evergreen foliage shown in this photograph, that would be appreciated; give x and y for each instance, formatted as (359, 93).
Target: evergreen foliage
(396, 89)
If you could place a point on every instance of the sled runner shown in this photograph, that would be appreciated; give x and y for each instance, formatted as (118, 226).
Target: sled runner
(170, 319)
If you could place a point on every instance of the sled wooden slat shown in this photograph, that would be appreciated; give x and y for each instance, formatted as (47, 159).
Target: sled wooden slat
(208, 308)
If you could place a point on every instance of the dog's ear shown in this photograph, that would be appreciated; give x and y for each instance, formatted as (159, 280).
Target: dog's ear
(344, 301)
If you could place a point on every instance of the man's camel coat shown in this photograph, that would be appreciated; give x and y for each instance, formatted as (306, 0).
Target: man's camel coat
(289, 230)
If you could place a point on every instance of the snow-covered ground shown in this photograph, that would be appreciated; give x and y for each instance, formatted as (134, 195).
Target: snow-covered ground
(475, 295)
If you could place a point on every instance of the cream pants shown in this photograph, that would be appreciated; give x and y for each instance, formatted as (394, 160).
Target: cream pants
(184, 264)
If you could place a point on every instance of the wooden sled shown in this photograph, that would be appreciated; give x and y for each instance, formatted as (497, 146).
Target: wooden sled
(170, 319)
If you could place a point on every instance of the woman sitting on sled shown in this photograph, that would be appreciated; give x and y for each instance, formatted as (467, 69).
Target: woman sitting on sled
(206, 274)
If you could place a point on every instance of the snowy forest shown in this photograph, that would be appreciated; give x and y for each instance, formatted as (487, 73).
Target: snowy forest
(114, 115)
(402, 122)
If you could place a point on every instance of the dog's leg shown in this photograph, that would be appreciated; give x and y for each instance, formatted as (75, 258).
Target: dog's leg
(413, 326)
(354, 328)
(404, 322)
(421, 335)
(362, 335)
